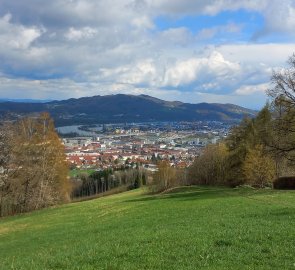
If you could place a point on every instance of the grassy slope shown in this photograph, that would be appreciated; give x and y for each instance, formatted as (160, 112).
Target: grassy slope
(193, 228)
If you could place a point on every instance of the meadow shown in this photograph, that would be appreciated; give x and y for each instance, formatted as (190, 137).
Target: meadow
(186, 228)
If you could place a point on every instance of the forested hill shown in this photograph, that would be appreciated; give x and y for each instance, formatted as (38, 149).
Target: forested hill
(126, 108)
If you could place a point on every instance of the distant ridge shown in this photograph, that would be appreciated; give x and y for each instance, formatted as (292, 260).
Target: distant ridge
(125, 108)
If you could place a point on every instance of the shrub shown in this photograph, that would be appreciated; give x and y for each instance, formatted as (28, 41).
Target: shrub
(287, 182)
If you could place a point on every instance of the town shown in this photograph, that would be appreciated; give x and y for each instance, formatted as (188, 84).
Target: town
(102, 147)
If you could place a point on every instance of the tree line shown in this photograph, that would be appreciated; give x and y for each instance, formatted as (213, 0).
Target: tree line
(105, 180)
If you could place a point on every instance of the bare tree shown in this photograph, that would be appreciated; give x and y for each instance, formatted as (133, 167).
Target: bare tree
(35, 170)
(283, 81)
(283, 103)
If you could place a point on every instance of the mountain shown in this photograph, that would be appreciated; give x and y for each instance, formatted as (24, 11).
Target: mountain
(126, 108)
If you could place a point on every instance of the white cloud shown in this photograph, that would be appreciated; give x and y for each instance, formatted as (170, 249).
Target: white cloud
(279, 18)
(271, 54)
(143, 72)
(77, 34)
(143, 22)
(246, 90)
(202, 70)
(15, 36)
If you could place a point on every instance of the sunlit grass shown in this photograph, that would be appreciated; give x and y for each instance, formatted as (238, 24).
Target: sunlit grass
(189, 228)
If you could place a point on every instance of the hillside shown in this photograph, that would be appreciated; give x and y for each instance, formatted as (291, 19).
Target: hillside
(190, 228)
(126, 108)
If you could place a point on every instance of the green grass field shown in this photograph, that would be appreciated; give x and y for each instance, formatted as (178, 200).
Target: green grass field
(189, 228)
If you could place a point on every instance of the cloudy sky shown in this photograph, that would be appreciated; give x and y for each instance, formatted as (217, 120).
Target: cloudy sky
(188, 50)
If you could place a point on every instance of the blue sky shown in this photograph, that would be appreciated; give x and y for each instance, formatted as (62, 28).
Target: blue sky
(251, 21)
(193, 51)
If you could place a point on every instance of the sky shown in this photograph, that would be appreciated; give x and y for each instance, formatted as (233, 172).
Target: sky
(188, 50)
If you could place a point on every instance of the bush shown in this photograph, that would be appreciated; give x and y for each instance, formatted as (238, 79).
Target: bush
(287, 182)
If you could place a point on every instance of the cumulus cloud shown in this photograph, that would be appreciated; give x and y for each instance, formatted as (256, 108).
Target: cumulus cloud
(271, 54)
(143, 72)
(15, 36)
(202, 71)
(279, 18)
(246, 90)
